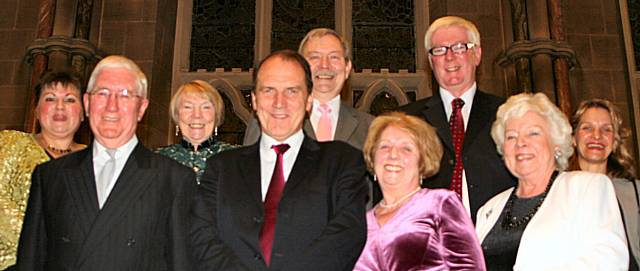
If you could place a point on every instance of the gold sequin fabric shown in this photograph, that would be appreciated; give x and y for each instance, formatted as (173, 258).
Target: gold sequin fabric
(19, 155)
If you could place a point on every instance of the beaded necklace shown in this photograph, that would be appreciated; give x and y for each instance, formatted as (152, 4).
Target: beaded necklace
(510, 222)
(53, 149)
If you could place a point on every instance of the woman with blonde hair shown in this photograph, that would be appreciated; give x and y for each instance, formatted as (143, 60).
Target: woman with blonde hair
(198, 110)
(600, 142)
(413, 228)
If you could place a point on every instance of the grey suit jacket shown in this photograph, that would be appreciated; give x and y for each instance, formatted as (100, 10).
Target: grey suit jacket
(143, 225)
(352, 128)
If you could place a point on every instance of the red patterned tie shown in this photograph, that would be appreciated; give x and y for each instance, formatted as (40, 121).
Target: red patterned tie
(267, 232)
(456, 123)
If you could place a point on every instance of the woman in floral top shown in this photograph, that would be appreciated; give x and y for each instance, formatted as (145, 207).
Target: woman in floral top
(198, 110)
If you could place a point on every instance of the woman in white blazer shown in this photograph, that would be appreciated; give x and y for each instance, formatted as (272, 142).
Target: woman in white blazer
(601, 147)
(551, 220)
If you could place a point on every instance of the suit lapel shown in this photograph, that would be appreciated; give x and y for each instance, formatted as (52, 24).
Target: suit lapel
(80, 182)
(134, 179)
(303, 166)
(308, 129)
(251, 178)
(479, 117)
(435, 115)
(347, 123)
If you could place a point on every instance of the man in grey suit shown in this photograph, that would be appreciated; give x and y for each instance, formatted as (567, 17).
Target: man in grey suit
(115, 205)
(328, 56)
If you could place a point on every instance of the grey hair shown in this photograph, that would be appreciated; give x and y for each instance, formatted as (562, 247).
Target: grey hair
(559, 128)
(119, 62)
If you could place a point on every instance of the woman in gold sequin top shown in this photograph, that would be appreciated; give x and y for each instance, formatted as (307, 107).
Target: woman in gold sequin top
(198, 110)
(59, 113)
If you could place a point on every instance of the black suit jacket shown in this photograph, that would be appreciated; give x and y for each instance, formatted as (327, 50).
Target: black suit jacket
(321, 216)
(143, 225)
(484, 168)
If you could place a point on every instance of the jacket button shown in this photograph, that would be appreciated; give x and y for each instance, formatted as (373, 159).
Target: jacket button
(257, 220)
(131, 242)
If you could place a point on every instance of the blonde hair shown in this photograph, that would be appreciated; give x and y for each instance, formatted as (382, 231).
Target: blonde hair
(321, 32)
(201, 89)
(559, 128)
(619, 162)
(448, 21)
(120, 62)
(422, 134)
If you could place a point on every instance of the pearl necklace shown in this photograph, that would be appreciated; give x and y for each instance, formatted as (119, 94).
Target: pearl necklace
(383, 203)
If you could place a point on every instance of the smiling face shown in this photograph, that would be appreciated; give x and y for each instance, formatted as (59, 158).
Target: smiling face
(113, 121)
(329, 67)
(59, 110)
(528, 150)
(196, 118)
(454, 72)
(396, 160)
(594, 137)
(281, 98)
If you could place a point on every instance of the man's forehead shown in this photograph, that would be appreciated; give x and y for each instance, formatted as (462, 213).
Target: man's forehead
(326, 42)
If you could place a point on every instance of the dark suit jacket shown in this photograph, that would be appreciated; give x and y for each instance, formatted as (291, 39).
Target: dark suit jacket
(352, 127)
(484, 168)
(142, 226)
(321, 217)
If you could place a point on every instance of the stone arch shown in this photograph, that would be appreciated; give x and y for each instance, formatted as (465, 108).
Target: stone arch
(378, 86)
(240, 108)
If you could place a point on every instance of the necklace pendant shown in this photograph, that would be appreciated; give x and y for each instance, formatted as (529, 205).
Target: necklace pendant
(514, 219)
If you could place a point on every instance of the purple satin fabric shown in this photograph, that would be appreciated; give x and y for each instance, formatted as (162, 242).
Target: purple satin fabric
(432, 231)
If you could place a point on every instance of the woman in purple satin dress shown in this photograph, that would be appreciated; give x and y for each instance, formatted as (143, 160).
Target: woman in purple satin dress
(413, 228)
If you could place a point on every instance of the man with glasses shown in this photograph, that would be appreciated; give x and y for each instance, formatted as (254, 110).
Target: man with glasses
(115, 205)
(462, 114)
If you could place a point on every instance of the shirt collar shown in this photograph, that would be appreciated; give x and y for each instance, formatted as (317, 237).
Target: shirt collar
(294, 141)
(122, 151)
(467, 96)
(205, 144)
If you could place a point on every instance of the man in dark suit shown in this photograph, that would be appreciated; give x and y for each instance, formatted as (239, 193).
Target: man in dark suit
(115, 205)
(261, 209)
(476, 171)
(328, 56)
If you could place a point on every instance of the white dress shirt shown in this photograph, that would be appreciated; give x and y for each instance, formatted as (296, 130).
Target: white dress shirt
(334, 104)
(100, 157)
(268, 158)
(467, 97)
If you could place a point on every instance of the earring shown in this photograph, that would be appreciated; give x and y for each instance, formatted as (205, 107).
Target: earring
(177, 130)
(421, 180)
(557, 154)
(375, 179)
(215, 131)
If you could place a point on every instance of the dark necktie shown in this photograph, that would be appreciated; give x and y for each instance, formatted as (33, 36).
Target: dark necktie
(267, 232)
(456, 123)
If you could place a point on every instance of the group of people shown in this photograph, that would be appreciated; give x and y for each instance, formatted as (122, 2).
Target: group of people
(467, 180)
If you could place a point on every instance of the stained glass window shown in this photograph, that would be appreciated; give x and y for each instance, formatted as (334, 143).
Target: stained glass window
(383, 35)
(222, 34)
(292, 19)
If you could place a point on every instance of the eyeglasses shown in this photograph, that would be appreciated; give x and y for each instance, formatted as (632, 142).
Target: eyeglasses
(123, 95)
(458, 48)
